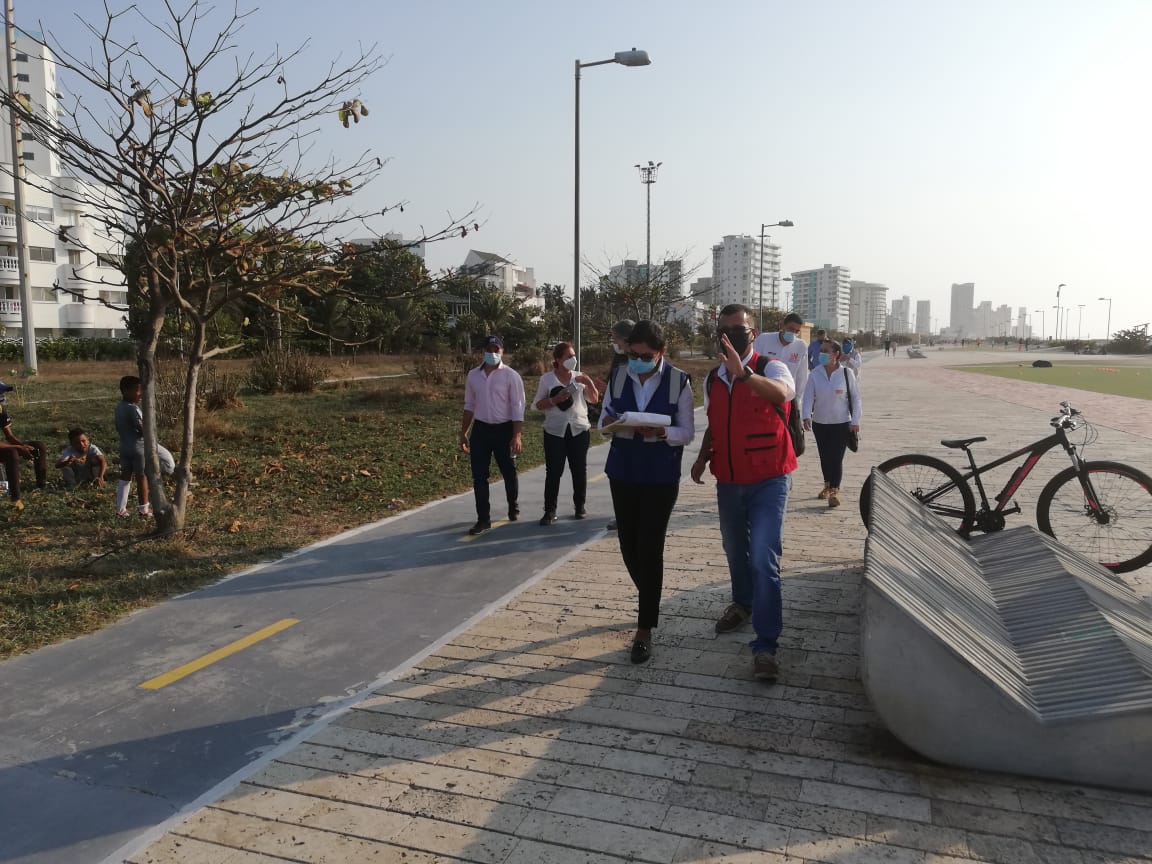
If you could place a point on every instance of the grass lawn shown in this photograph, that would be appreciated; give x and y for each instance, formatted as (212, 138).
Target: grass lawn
(277, 474)
(1097, 376)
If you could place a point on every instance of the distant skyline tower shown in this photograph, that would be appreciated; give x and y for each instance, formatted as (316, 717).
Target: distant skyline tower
(924, 317)
(963, 299)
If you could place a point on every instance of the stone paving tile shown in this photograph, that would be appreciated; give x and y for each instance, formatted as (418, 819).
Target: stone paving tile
(531, 738)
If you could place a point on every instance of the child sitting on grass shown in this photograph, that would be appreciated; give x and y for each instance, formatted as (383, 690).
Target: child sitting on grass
(81, 462)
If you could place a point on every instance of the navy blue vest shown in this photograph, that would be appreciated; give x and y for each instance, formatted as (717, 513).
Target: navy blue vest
(631, 459)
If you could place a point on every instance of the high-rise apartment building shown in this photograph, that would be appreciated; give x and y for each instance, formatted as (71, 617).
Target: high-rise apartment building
(823, 296)
(900, 319)
(924, 317)
(963, 297)
(737, 276)
(867, 306)
(669, 274)
(66, 246)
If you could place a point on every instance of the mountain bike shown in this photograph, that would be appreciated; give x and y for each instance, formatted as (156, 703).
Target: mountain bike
(1103, 510)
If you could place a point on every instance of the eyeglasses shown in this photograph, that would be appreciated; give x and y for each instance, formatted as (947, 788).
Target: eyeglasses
(647, 358)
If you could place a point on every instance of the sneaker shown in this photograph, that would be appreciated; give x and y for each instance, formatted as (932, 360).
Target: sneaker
(823, 496)
(480, 527)
(144, 510)
(833, 497)
(123, 514)
(581, 513)
(734, 617)
(513, 512)
(765, 667)
(549, 518)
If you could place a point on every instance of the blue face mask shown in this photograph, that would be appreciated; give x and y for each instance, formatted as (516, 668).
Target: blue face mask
(825, 359)
(491, 358)
(787, 336)
(641, 367)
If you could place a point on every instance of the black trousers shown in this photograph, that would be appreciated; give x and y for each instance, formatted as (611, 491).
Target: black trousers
(572, 449)
(11, 460)
(642, 514)
(832, 442)
(488, 440)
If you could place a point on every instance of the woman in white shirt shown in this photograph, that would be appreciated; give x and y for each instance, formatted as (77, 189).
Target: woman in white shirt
(563, 396)
(831, 410)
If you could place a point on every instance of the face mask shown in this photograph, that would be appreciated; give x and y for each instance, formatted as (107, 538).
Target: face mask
(787, 336)
(825, 359)
(739, 341)
(640, 367)
(617, 349)
(569, 363)
(849, 347)
(491, 358)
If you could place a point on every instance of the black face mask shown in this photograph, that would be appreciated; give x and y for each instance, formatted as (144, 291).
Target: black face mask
(738, 338)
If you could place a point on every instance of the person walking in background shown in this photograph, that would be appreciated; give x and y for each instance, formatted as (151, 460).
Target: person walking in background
(643, 466)
(13, 452)
(492, 426)
(852, 358)
(814, 349)
(832, 410)
(787, 347)
(563, 395)
(748, 398)
(81, 462)
(618, 338)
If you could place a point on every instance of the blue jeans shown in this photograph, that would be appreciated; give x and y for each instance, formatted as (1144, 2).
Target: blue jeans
(752, 526)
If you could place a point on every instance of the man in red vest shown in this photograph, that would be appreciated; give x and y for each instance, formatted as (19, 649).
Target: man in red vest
(747, 444)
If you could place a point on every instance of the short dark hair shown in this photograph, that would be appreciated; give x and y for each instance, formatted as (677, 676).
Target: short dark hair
(649, 333)
(560, 350)
(834, 343)
(792, 318)
(128, 382)
(76, 432)
(735, 309)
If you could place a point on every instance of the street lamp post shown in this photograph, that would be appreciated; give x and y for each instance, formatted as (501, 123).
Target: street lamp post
(783, 223)
(648, 177)
(1079, 321)
(1058, 287)
(624, 58)
(1043, 328)
(1108, 328)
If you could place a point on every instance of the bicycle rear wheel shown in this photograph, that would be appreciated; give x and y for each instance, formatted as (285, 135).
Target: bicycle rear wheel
(1119, 533)
(931, 481)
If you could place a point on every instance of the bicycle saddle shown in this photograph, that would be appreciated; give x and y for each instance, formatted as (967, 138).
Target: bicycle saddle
(957, 443)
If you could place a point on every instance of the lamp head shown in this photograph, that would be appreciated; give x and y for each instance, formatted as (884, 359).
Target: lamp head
(632, 58)
(785, 223)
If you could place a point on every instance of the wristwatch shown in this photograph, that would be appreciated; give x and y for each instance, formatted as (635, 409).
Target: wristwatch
(747, 373)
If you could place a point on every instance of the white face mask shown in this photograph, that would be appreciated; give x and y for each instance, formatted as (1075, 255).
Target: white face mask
(569, 363)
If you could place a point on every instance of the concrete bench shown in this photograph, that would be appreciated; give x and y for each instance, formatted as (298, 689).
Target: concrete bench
(1006, 653)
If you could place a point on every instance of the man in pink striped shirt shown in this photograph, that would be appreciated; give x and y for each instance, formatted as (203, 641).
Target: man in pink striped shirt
(492, 425)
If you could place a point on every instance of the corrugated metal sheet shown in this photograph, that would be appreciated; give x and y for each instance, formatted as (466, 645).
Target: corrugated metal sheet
(1057, 633)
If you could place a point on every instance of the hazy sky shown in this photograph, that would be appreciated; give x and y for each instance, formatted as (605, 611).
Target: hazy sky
(919, 143)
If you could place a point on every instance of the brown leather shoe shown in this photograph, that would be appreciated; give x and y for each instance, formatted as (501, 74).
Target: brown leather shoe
(765, 667)
(734, 617)
(823, 496)
(833, 497)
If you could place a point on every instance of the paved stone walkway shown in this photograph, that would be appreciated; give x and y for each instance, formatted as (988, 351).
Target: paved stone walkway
(531, 738)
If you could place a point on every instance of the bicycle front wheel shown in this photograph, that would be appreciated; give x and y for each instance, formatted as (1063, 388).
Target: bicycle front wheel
(931, 481)
(1116, 529)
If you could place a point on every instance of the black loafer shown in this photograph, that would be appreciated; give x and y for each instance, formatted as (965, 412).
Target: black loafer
(513, 512)
(480, 527)
(641, 652)
(548, 518)
(580, 513)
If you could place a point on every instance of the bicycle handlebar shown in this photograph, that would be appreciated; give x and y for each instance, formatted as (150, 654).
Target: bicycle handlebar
(1067, 416)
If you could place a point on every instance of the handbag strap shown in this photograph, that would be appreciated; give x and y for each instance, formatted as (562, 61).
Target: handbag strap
(848, 390)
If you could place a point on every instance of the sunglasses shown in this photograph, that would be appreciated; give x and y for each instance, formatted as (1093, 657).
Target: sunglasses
(632, 355)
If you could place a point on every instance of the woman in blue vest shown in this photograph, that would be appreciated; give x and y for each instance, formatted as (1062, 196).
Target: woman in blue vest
(644, 465)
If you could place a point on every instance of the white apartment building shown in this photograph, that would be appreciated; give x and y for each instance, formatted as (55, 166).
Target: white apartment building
(867, 306)
(823, 296)
(924, 317)
(743, 272)
(900, 319)
(960, 324)
(498, 272)
(65, 246)
(668, 273)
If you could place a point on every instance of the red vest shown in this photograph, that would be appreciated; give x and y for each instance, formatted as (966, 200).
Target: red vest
(750, 442)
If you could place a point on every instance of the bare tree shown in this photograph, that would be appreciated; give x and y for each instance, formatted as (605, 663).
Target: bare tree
(200, 159)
